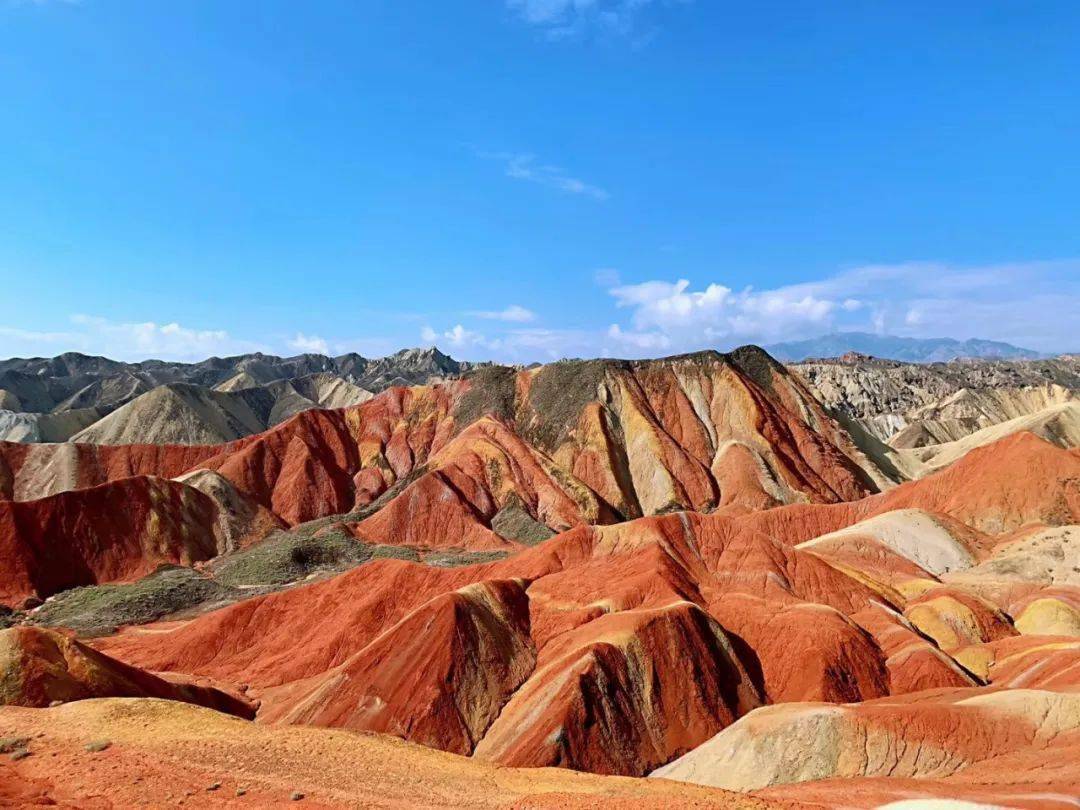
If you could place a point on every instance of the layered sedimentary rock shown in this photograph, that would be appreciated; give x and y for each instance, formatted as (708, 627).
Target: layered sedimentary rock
(965, 743)
(439, 677)
(597, 565)
(164, 752)
(915, 404)
(623, 693)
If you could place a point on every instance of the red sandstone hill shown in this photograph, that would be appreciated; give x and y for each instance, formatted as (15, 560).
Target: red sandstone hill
(117, 531)
(693, 432)
(719, 545)
(564, 445)
(1019, 481)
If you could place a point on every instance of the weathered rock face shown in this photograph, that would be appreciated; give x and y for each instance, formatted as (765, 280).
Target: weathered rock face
(241, 521)
(281, 638)
(31, 472)
(805, 651)
(981, 491)
(41, 667)
(916, 404)
(954, 618)
(1026, 662)
(571, 443)
(611, 612)
(438, 677)
(114, 532)
(914, 662)
(622, 693)
(162, 750)
(269, 388)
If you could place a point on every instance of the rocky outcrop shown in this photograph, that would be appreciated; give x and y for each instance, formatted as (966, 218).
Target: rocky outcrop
(41, 668)
(915, 404)
(438, 677)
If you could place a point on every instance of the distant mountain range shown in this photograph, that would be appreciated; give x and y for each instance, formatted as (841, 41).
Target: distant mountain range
(75, 397)
(100, 400)
(911, 350)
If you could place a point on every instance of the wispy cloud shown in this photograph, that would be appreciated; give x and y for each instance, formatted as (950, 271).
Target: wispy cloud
(512, 314)
(562, 19)
(457, 337)
(1022, 303)
(519, 345)
(1028, 304)
(523, 166)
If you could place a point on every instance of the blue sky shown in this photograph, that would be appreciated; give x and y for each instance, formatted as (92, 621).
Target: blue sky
(527, 179)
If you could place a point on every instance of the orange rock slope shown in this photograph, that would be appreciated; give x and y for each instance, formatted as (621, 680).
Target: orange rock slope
(608, 607)
(168, 754)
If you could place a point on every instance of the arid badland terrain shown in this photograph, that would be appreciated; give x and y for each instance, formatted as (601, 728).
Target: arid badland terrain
(709, 580)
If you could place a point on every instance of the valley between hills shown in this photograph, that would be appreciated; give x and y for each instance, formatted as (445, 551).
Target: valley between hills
(708, 580)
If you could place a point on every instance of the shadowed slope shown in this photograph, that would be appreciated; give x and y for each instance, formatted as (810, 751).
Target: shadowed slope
(624, 693)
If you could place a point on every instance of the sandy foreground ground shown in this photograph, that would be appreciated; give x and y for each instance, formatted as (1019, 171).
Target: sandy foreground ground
(168, 754)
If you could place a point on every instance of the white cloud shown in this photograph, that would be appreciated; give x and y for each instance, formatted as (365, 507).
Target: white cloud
(310, 344)
(512, 313)
(524, 167)
(1023, 303)
(638, 340)
(686, 318)
(519, 345)
(125, 341)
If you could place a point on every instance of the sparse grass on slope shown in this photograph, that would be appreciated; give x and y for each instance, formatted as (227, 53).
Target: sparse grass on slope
(290, 556)
(100, 609)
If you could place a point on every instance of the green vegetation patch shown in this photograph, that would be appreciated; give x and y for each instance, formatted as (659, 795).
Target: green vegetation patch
(558, 394)
(100, 609)
(455, 558)
(290, 556)
(9, 744)
(756, 364)
(513, 522)
(492, 391)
